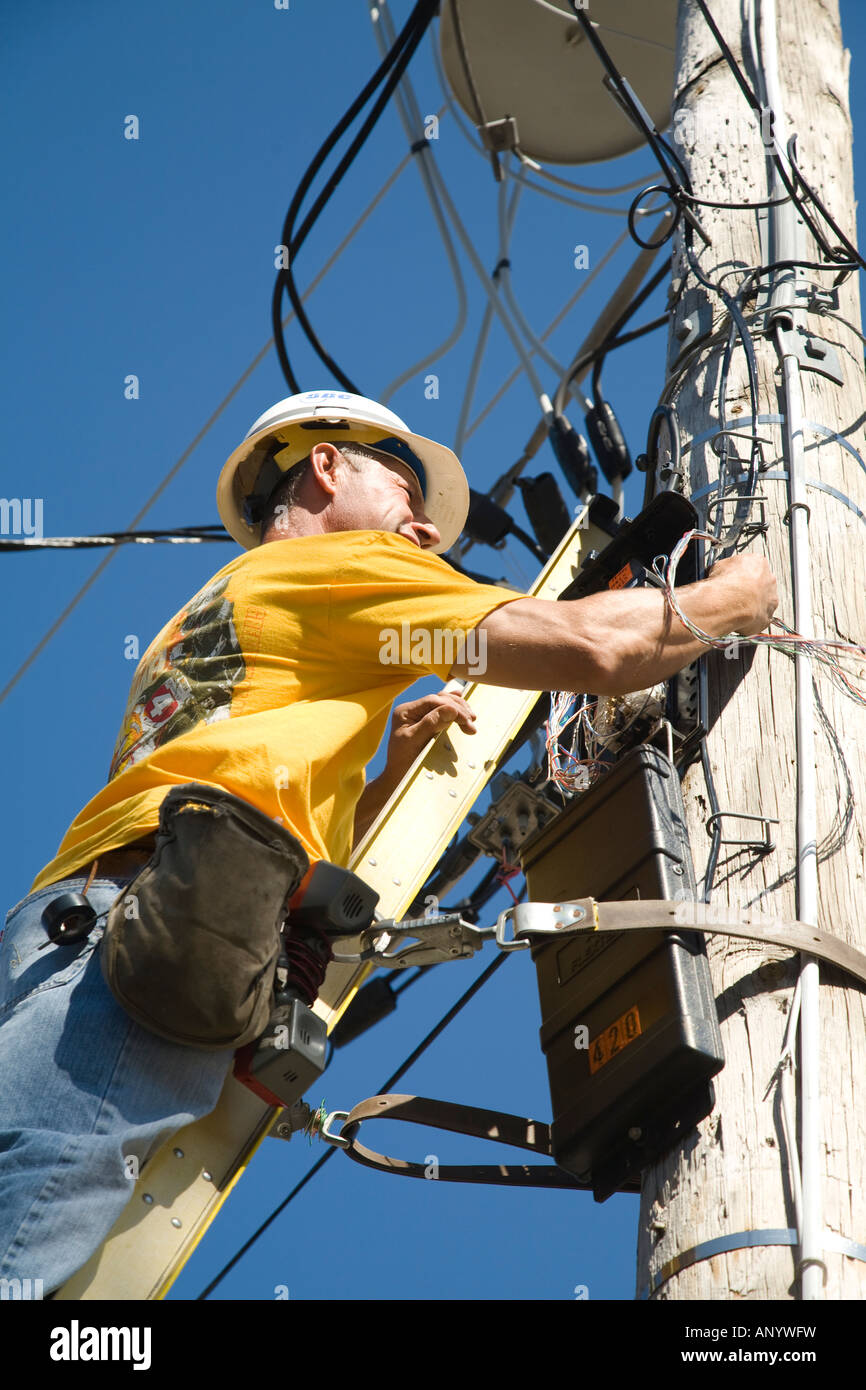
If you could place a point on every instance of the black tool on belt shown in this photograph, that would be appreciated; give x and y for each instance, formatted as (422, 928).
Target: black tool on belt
(291, 1054)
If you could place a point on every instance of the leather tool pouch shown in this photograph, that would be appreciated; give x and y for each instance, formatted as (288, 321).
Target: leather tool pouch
(191, 944)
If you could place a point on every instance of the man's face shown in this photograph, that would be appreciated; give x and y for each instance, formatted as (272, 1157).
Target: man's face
(383, 495)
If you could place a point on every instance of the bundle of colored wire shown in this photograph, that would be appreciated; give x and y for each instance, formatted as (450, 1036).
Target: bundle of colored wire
(564, 768)
(505, 873)
(602, 723)
(790, 642)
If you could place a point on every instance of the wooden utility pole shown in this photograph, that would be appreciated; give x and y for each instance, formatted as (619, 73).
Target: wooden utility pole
(729, 1183)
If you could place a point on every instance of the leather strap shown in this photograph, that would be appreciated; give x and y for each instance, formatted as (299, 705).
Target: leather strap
(494, 1125)
(705, 917)
(623, 916)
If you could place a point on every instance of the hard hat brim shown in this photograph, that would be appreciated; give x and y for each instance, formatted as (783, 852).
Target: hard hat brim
(446, 498)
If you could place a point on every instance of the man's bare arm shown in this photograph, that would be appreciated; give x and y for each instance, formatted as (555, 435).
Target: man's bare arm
(623, 640)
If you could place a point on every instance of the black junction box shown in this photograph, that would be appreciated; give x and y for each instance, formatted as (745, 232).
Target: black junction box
(629, 1023)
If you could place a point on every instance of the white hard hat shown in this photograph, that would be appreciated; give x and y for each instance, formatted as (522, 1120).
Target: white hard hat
(286, 433)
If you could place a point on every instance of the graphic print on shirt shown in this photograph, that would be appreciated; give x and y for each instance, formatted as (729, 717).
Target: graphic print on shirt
(186, 679)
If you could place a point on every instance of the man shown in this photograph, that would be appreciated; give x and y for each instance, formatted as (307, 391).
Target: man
(275, 684)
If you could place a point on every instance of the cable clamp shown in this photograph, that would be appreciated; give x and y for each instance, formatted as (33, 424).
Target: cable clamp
(814, 354)
(764, 846)
(749, 527)
(804, 506)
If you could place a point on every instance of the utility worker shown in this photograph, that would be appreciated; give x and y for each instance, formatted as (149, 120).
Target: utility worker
(274, 684)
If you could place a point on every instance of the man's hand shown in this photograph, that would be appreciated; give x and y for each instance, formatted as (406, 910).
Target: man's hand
(752, 586)
(621, 640)
(413, 725)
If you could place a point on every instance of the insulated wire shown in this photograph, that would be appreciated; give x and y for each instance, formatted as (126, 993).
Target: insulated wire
(383, 1089)
(182, 535)
(484, 331)
(781, 160)
(410, 115)
(504, 485)
(612, 336)
(506, 223)
(487, 284)
(605, 28)
(790, 643)
(194, 443)
(554, 323)
(394, 65)
(542, 172)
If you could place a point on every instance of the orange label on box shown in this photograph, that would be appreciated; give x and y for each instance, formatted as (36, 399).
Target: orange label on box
(612, 1041)
(623, 577)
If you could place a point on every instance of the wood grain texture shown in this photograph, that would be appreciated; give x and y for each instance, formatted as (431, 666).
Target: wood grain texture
(732, 1174)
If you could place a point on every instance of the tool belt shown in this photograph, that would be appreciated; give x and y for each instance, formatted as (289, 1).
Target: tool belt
(191, 944)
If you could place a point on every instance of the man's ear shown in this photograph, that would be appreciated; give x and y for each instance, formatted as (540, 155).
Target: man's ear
(324, 459)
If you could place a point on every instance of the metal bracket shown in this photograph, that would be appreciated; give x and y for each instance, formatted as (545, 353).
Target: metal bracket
(541, 919)
(290, 1120)
(499, 136)
(750, 528)
(822, 300)
(758, 439)
(765, 845)
(325, 1132)
(693, 321)
(814, 354)
(517, 810)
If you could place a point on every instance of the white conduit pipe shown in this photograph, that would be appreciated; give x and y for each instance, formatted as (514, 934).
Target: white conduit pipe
(811, 1267)
(812, 1230)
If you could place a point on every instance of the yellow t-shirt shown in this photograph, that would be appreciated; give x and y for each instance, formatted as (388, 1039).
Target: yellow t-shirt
(275, 682)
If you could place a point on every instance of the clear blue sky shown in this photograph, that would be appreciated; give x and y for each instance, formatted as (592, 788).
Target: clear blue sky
(155, 257)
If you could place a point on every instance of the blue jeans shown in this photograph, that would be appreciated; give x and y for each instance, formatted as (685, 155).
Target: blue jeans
(86, 1094)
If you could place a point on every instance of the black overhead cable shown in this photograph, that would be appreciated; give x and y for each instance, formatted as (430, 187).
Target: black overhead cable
(474, 94)
(621, 87)
(831, 253)
(612, 339)
(680, 191)
(245, 374)
(179, 535)
(621, 340)
(393, 64)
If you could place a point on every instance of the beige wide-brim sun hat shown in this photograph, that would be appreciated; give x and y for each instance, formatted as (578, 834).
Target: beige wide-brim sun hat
(313, 417)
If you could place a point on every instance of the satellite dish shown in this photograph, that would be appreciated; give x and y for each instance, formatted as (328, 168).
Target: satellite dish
(540, 69)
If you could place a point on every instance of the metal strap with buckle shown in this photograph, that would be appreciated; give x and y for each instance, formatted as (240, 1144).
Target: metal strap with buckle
(494, 1125)
(450, 937)
(532, 923)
